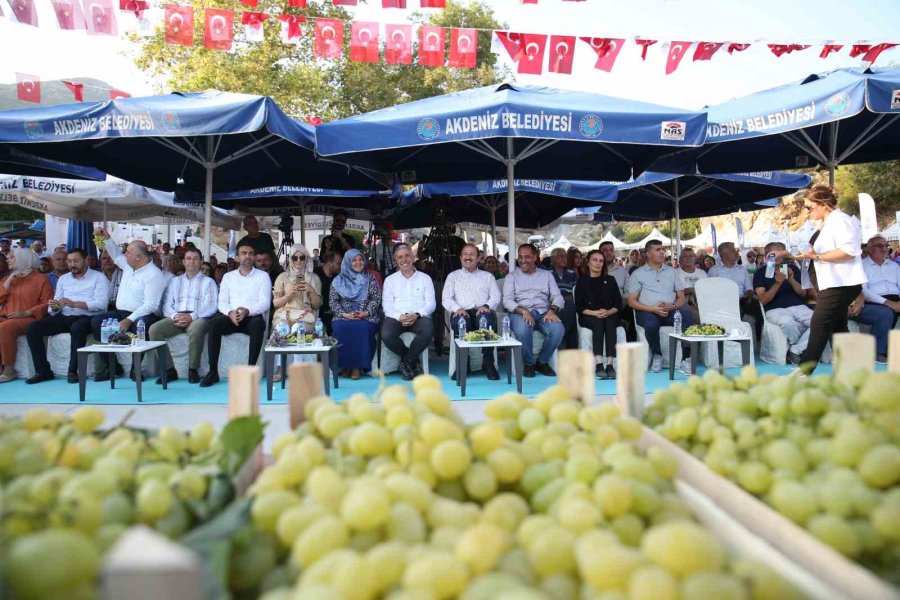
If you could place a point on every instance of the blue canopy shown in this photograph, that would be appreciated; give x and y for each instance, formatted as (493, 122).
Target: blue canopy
(288, 200)
(845, 116)
(539, 202)
(80, 234)
(15, 162)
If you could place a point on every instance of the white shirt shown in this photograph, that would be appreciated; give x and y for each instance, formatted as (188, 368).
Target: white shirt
(140, 291)
(92, 288)
(690, 279)
(197, 295)
(620, 274)
(736, 273)
(253, 292)
(883, 279)
(467, 290)
(408, 295)
(840, 230)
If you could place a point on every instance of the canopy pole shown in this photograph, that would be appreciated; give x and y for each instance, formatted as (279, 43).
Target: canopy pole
(207, 201)
(510, 200)
(303, 225)
(496, 251)
(831, 167)
(677, 223)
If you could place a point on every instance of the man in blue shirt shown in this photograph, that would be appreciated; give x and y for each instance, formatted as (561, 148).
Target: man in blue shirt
(566, 279)
(783, 298)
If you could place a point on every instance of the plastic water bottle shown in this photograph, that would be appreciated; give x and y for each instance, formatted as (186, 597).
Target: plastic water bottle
(141, 332)
(482, 322)
(770, 266)
(506, 327)
(104, 331)
(461, 333)
(320, 329)
(677, 322)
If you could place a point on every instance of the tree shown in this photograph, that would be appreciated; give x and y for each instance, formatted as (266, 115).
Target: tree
(305, 85)
(880, 180)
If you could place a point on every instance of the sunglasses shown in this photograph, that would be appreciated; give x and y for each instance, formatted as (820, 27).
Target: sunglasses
(300, 258)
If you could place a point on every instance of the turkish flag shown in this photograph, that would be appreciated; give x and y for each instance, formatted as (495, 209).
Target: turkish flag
(858, 50)
(431, 46)
(562, 53)
(463, 48)
(297, 3)
(218, 24)
(781, 49)
(290, 28)
(180, 24)
(314, 120)
(607, 50)
(364, 42)
(25, 12)
(393, 3)
(100, 17)
(398, 44)
(644, 44)
(705, 50)
(676, 53)
(532, 61)
(875, 50)
(329, 41)
(345, 2)
(77, 90)
(28, 88)
(829, 48)
(253, 25)
(433, 3)
(135, 6)
(68, 14)
(529, 1)
(114, 94)
(509, 41)
(733, 47)
(250, 3)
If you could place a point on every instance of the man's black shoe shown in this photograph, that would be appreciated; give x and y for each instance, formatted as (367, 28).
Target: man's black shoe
(193, 376)
(545, 370)
(171, 375)
(600, 372)
(610, 371)
(528, 371)
(39, 377)
(407, 371)
(491, 371)
(211, 378)
(72, 377)
(453, 377)
(793, 358)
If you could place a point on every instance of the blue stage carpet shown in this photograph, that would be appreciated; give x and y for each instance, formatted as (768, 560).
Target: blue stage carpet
(181, 392)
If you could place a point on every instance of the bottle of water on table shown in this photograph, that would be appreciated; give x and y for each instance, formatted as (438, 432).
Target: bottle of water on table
(104, 331)
(482, 322)
(677, 322)
(770, 265)
(461, 329)
(320, 329)
(505, 333)
(141, 332)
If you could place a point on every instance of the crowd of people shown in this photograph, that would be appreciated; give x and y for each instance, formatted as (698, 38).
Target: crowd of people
(172, 290)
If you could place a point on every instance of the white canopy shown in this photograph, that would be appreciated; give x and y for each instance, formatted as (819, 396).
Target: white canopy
(609, 237)
(892, 232)
(653, 235)
(563, 242)
(110, 200)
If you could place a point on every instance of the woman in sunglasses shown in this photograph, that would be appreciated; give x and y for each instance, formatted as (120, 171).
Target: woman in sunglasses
(297, 295)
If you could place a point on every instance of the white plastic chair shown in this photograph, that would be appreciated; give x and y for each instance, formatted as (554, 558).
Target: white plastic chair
(234, 350)
(718, 301)
(390, 362)
(774, 344)
(664, 332)
(24, 365)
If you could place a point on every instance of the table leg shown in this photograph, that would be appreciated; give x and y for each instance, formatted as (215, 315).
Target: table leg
(112, 370)
(284, 369)
(163, 371)
(745, 352)
(721, 348)
(269, 368)
(333, 365)
(136, 360)
(326, 371)
(458, 351)
(82, 374)
(695, 350)
(509, 364)
(462, 366)
(672, 342)
(520, 366)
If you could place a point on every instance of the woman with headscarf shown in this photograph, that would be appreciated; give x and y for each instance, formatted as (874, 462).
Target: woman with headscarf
(24, 295)
(296, 296)
(355, 300)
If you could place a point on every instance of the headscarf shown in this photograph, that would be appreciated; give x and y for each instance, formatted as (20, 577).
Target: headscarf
(26, 261)
(294, 273)
(349, 284)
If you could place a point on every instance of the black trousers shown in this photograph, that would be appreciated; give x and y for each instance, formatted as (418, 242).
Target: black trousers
(829, 317)
(120, 315)
(751, 305)
(77, 326)
(567, 316)
(602, 329)
(220, 325)
(472, 319)
(626, 319)
(391, 329)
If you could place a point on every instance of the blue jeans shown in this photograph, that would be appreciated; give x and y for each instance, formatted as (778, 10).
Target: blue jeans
(651, 323)
(553, 335)
(881, 319)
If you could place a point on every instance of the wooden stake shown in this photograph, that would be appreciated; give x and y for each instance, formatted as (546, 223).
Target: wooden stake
(304, 384)
(852, 352)
(630, 378)
(894, 351)
(243, 391)
(576, 374)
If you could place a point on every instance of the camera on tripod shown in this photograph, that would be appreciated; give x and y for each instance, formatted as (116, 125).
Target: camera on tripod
(286, 225)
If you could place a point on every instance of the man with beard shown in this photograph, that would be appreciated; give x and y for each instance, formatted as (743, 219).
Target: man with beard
(80, 294)
(244, 298)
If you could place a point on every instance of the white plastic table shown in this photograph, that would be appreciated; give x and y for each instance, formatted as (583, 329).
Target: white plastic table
(514, 352)
(695, 341)
(137, 353)
(325, 354)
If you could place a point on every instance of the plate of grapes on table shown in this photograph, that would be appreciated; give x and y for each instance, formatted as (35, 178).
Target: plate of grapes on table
(706, 330)
(481, 336)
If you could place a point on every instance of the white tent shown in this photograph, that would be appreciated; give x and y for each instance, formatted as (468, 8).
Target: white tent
(891, 233)
(803, 234)
(653, 235)
(609, 237)
(110, 200)
(563, 242)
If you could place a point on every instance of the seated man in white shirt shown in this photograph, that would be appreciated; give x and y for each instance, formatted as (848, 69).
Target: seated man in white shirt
(244, 298)
(140, 294)
(408, 301)
(190, 300)
(80, 294)
(690, 274)
(471, 294)
(879, 303)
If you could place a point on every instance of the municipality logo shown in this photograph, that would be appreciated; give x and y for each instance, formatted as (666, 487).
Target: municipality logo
(590, 126)
(672, 130)
(565, 188)
(170, 122)
(837, 104)
(895, 99)
(428, 129)
(34, 129)
(483, 186)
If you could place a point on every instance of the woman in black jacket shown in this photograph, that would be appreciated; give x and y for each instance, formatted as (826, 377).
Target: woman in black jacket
(598, 302)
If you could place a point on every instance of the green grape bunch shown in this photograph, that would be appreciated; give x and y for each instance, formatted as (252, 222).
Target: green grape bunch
(481, 335)
(705, 329)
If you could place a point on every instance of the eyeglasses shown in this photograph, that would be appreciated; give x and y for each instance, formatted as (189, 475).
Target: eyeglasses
(300, 258)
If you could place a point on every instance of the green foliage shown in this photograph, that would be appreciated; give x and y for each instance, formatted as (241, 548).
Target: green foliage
(18, 213)
(304, 85)
(635, 234)
(881, 180)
